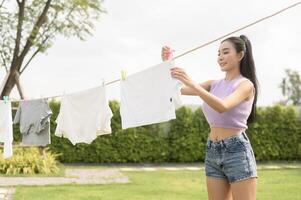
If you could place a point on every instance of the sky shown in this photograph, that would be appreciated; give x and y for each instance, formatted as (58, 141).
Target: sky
(130, 36)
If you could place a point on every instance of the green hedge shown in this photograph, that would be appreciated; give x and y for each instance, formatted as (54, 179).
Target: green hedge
(275, 135)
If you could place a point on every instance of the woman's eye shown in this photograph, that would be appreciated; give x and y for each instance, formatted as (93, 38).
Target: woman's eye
(226, 52)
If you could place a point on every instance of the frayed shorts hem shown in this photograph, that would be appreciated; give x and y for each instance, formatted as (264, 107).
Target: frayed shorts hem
(232, 181)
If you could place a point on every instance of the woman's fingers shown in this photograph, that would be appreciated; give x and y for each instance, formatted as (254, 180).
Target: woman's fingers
(164, 55)
(178, 73)
(177, 69)
(166, 52)
(166, 48)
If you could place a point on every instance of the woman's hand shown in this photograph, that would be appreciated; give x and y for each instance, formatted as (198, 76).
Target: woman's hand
(166, 53)
(181, 75)
(176, 72)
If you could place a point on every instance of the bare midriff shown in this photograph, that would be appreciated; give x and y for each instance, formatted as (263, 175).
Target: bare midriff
(217, 134)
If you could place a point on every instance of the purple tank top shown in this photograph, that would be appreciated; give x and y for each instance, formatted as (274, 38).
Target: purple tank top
(236, 117)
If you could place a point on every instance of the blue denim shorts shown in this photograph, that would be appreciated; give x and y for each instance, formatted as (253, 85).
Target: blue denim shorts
(231, 158)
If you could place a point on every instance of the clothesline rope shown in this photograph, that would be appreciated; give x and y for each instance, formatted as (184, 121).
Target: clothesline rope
(239, 29)
(203, 45)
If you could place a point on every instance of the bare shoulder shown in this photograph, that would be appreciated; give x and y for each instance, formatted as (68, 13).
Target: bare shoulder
(246, 83)
(248, 87)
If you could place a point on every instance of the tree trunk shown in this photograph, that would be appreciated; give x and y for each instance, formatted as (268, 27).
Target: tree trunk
(9, 85)
(11, 81)
(20, 89)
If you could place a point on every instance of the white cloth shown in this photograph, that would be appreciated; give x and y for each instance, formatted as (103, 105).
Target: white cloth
(6, 128)
(84, 115)
(149, 96)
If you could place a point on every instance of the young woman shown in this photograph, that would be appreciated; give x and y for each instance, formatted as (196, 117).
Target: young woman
(229, 105)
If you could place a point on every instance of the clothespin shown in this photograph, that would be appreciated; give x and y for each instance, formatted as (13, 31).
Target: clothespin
(5, 98)
(123, 75)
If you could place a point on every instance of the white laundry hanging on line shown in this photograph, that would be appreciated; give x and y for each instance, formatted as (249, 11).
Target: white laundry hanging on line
(149, 96)
(6, 128)
(84, 116)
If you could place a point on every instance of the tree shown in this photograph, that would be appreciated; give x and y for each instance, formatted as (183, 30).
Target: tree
(29, 27)
(291, 87)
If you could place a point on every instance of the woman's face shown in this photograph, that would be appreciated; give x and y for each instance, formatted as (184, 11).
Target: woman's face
(228, 58)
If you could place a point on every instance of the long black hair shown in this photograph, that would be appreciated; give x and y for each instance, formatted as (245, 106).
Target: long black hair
(247, 66)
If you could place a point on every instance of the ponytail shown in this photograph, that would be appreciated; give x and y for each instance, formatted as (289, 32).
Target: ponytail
(247, 66)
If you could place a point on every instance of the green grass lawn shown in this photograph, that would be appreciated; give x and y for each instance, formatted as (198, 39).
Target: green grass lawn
(284, 184)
